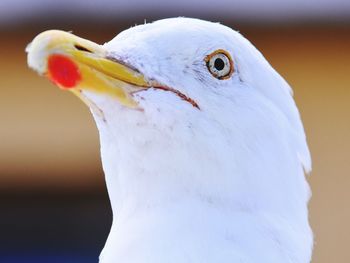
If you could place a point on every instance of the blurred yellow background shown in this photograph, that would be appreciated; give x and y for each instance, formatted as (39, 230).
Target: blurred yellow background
(49, 142)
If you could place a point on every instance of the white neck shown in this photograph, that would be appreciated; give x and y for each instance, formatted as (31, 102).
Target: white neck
(156, 211)
(177, 189)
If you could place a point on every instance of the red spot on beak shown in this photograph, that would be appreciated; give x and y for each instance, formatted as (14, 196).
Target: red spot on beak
(63, 71)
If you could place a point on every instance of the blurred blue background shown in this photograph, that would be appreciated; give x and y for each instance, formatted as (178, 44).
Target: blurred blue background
(53, 202)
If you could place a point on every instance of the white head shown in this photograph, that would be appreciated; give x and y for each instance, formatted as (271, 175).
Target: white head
(245, 143)
(236, 141)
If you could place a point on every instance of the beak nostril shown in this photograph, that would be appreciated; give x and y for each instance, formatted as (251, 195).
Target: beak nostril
(81, 48)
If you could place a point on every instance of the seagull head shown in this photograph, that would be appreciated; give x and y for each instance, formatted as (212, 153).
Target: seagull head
(185, 109)
(201, 142)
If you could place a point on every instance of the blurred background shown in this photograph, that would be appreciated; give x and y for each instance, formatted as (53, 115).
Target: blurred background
(53, 202)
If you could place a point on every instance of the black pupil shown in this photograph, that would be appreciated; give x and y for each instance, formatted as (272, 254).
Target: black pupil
(219, 64)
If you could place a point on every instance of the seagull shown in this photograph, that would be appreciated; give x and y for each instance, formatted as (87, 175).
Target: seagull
(202, 145)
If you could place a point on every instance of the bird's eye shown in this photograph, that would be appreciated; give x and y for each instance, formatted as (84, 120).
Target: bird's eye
(220, 64)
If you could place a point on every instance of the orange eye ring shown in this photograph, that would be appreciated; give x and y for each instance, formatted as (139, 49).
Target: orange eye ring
(220, 64)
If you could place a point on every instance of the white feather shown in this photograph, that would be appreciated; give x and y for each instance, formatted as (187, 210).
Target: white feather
(221, 184)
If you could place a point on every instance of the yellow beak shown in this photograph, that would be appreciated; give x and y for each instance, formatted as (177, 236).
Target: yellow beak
(78, 64)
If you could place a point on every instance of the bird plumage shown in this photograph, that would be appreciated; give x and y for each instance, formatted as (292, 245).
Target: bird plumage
(220, 183)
